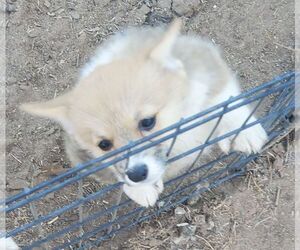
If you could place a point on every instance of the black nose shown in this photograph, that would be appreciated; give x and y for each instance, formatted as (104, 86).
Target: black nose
(137, 173)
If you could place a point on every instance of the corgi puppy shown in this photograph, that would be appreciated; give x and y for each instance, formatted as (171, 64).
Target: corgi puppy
(141, 81)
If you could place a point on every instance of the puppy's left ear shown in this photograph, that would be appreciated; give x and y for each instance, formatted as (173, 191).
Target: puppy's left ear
(56, 109)
(162, 52)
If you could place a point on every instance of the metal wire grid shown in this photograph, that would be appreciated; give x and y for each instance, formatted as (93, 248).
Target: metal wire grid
(280, 91)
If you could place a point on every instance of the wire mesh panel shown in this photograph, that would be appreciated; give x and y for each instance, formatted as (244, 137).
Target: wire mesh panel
(85, 218)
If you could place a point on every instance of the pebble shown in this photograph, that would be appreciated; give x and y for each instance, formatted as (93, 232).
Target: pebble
(23, 87)
(33, 33)
(12, 79)
(187, 230)
(10, 7)
(47, 4)
(180, 211)
(185, 8)
(18, 184)
(193, 200)
(204, 225)
(75, 15)
(164, 4)
(51, 131)
(161, 204)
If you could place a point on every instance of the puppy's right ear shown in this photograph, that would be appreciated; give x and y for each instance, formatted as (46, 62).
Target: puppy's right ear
(56, 109)
(162, 52)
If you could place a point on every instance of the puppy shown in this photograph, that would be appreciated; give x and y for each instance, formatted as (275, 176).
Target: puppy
(141, 81)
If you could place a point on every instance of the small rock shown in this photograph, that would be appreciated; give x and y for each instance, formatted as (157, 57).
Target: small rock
(47, 4)
(177, 240)
(75, 15)
(187, 230)
(193, 200)
(180, 215)
(12, 79)
(51, 131)
(160, 204)
(278, 163)
(155, 242)
(33, 33)
(200, 219)
(10, 7)
(17, 184)
(59, 11)
(279, 149)
(23, 87)
(180, 211)
(155, 18)
(142, 12)
(82, 37)
(164, 4)
(204, 224)
(186, 8)
(210, 224)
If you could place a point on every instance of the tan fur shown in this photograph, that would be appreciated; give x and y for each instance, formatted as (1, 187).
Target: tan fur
(147, 72)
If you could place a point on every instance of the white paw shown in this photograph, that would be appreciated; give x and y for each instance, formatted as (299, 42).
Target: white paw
(144, 195)
(8, 244)
(248, 141)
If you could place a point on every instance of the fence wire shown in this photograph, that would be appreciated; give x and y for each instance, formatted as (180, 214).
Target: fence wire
(103, 217)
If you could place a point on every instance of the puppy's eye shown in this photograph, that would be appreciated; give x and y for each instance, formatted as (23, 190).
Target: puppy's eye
(147, 124)
(105, 145)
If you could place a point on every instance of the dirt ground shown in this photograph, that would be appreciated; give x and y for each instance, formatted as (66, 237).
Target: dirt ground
(47, 43)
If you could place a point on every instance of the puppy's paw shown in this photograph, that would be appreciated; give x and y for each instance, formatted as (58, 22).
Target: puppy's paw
(8, 244)
(248, 141)
(144, 195)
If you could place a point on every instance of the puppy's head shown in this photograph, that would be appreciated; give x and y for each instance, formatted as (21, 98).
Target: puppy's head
(122, 101)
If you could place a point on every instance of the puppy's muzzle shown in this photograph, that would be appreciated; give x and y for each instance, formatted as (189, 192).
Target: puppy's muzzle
(138, 173)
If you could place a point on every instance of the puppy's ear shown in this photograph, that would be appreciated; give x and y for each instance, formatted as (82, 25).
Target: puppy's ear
(162, 52)
(56, 109)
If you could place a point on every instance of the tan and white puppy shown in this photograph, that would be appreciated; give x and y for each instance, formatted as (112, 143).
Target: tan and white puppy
(141, 81)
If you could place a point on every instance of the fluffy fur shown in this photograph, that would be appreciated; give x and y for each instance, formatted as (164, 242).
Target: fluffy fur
(141, 73)
(8, 244)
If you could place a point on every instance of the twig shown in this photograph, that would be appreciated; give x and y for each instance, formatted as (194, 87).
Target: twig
(270, 169)
(80, 208)
(277, 196)
(258, 223)
(288, 48)
(13, 156)
(206, 242)
(114, 213)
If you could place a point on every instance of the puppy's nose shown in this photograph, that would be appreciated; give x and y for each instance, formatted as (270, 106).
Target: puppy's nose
(137, 173)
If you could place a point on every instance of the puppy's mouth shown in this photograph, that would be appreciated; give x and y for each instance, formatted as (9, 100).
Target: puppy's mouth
(145, 169)
(143, 177)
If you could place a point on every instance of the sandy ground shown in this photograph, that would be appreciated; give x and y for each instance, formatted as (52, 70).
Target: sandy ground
(48, 41)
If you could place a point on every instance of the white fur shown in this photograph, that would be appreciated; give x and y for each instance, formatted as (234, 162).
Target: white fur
(105, 54)
(145, 195)
(250, 140)
(8, 244)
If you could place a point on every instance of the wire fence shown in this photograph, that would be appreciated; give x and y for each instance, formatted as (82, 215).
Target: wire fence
(103, 212)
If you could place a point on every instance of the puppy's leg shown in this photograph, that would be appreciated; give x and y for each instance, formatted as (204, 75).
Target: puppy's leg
(250, 140)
